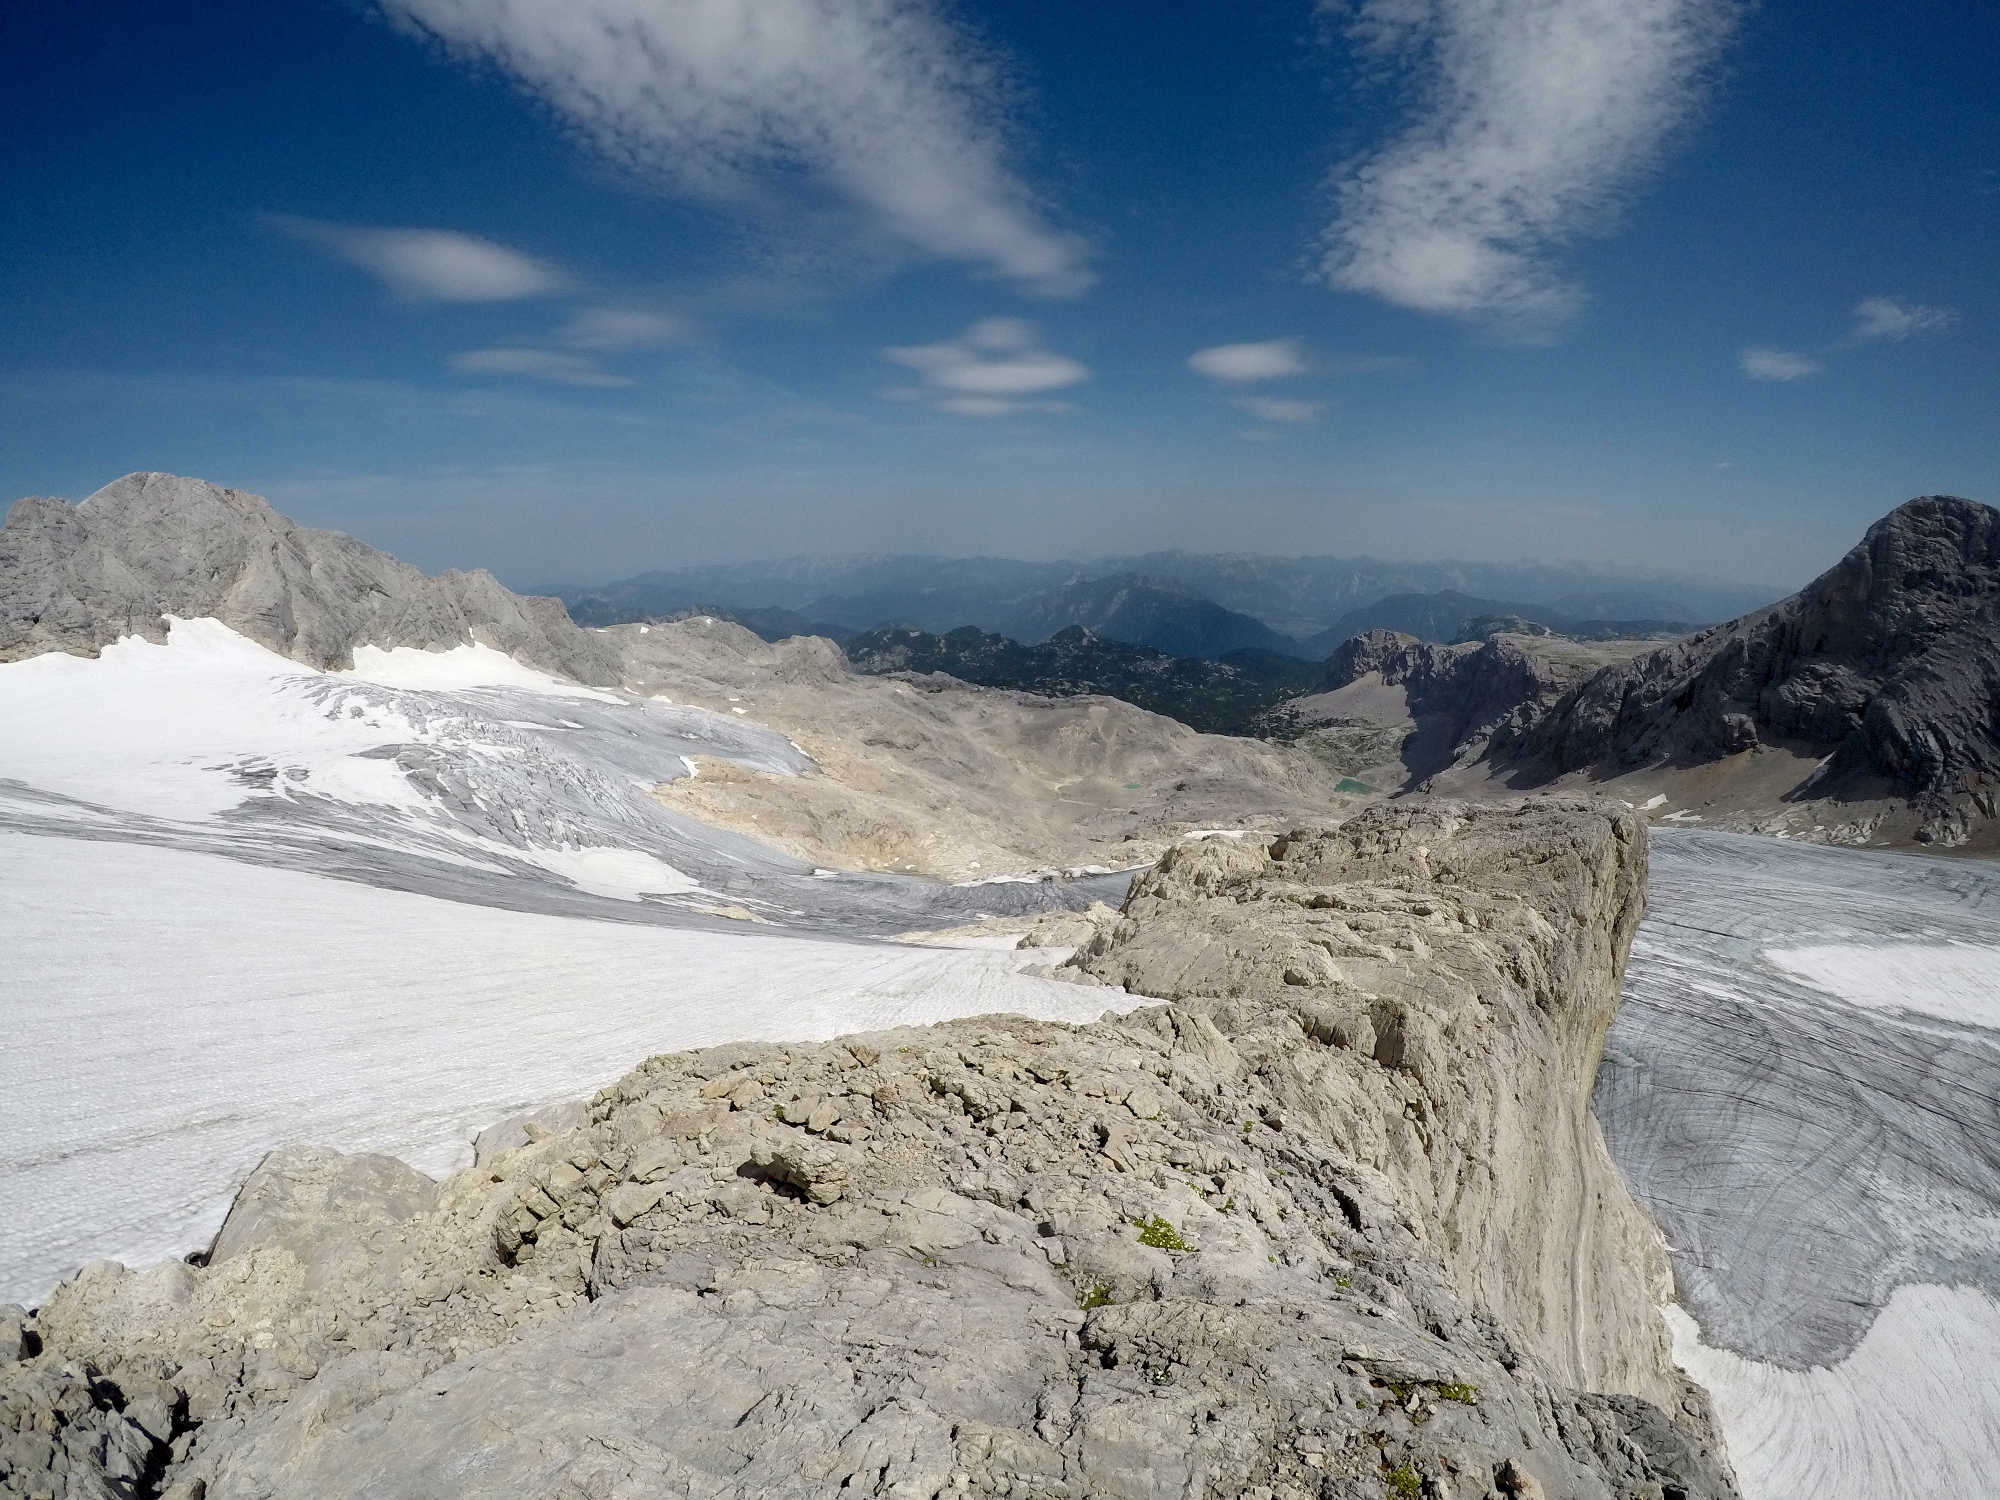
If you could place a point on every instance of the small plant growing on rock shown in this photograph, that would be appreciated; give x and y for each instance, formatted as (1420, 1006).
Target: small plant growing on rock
(1465, 1395)
(1097, 1296)
(1405, 1483)
(1160, 1235)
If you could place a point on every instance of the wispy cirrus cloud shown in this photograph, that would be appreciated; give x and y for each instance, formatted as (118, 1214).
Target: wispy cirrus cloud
(1536, 117)
(1896, 318)
(430, 265)
(990, 370)
(1777, 364)
(613, 329)
(536, 364)
(1241, 364)
(880, 99)
(1281, 408)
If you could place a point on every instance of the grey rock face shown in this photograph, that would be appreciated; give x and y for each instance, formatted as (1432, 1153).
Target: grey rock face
(76, 578)
(1213, 1248)
(1459, 699)
(1888, 665)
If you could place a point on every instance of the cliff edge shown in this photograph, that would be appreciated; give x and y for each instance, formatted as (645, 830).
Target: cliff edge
(1334, 1222)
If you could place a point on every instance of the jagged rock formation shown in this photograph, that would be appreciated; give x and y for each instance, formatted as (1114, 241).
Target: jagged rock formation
(77, 577)
(1885, 670)
(1398, 711)
(1332, 1224)
(1865, 707)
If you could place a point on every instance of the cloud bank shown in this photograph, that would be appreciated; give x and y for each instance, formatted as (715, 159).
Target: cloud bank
(1237, 364)
(431, 265)
(878, 98)
(990, 369)
(1537, 117)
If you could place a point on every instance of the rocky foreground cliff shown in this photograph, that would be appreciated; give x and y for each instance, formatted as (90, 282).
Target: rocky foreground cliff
(1334, 1222)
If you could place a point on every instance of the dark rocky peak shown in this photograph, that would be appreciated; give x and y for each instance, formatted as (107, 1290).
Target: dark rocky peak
(1886, 667)
(1919, 573)
(149, 546)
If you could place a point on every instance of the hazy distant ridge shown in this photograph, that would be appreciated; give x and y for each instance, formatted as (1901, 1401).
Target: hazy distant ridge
(1290, 598)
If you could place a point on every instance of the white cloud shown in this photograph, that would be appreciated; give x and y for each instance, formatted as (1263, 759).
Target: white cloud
(988, 370)
(1241, 363)
(881, 99)
(1278, 409)
(536, 364)
(1893, 318)
(1777, 364)
(613, 328)
(431, 265)
(1536, 118)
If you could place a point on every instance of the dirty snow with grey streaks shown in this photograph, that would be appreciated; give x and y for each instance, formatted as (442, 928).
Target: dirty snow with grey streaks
(173, 1015)
(458, 773)
(1803, 1085)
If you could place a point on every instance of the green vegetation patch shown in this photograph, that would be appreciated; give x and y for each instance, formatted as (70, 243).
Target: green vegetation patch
(1097, 1296)
(1405, 1483)
(1161, 1235)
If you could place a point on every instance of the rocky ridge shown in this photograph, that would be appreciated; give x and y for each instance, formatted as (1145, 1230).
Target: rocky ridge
(1884, 672)
(1334, 1222)
(1400, 710)
(1864, 708)
(77, 577)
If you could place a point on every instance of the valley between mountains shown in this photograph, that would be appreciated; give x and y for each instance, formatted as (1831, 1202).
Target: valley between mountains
(454, 1050)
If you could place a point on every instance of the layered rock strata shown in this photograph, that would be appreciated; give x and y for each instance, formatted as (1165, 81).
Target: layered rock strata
(77, 577)
(1332, 1223)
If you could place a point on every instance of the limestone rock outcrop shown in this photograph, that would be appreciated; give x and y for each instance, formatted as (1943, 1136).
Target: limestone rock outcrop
(1885, 669)
(77, 577)
(1332, 1223)
(932, 776)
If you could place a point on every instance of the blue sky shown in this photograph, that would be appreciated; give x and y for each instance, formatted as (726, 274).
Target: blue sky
(572, 288)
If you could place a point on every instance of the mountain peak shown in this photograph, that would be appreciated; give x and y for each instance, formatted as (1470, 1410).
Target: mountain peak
(150, 545)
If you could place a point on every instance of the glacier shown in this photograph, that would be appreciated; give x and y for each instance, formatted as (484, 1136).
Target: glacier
(1803, 1085)
(251, 903)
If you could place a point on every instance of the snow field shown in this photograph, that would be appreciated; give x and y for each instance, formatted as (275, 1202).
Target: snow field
(171, 1016)
(1914, 1410)
(1959, 982)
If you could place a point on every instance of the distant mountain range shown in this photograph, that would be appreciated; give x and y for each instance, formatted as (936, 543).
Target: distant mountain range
(1231, 695)
(1189, 604)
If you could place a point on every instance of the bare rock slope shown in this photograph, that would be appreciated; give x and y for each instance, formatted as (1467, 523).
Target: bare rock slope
(1398, 711)
(77, 577)
(927, 775)
(1333, 1223)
